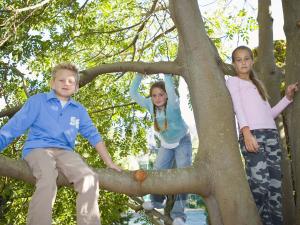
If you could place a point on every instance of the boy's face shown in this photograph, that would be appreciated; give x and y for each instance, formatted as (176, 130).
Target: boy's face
(64, 84)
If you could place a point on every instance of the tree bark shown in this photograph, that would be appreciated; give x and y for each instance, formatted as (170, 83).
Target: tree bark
(214, 120)
(123, 182)
(271, 76)
(291, 11)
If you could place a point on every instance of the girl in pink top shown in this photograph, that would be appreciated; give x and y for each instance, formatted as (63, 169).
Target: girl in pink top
(259, 140)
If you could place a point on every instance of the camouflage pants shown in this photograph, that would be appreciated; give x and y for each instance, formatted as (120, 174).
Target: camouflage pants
(264, 175)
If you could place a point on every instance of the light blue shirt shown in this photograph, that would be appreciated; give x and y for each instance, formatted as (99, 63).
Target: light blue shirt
(177, 128)
(50, 125)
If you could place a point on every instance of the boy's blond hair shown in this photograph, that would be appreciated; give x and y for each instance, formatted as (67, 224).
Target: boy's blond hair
(66, 66)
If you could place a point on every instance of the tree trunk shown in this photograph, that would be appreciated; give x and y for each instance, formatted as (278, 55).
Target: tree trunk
(291, 11)
(229, 193)
(271, 77)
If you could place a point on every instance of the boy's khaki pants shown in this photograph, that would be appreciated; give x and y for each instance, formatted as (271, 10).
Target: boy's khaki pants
(45, 165)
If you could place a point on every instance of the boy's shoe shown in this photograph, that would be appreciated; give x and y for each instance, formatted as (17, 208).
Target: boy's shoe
(178, 221)
(148, 205)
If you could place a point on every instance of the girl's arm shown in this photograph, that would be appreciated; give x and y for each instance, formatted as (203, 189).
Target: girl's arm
(280, 106)
(232, 84)
(250, 141)
(170, 89)
(286, 100)
(135, 95)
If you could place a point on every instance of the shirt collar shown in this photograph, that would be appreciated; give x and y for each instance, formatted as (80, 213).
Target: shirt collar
(52, 95)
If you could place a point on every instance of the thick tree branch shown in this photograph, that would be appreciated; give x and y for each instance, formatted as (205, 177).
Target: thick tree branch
(123, 182)
(141, 67)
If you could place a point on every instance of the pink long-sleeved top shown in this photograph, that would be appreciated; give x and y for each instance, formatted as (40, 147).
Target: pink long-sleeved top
(250, 109)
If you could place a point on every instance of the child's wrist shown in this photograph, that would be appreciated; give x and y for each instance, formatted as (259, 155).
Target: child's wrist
(289, 97)
(245, 130)
(110, 164)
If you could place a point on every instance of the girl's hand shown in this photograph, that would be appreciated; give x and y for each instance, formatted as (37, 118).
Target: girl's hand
(250, 141)
(290, 91)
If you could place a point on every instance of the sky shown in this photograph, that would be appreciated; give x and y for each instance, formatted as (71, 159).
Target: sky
(278, 34)
(277, 15)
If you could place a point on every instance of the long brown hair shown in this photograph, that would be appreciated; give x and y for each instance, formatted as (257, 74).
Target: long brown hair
(160, 85)
(258, 83)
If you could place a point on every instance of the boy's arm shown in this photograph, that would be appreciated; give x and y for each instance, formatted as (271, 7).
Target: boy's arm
(101, 149)
(19, 123)
(90, 132)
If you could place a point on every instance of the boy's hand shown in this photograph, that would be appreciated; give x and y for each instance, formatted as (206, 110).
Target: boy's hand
(101, 149)
(250, 141)
(290, 91)
(115, 167)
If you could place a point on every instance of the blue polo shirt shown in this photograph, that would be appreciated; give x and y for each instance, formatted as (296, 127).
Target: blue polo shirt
(49, 125)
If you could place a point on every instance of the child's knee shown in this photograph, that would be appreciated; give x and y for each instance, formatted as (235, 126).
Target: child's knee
(87, 183)
(47, 184)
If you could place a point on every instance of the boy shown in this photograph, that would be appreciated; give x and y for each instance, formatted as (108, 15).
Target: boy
(53, 120)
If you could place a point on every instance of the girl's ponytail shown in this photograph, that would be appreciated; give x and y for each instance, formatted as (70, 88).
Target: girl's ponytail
(259, 85)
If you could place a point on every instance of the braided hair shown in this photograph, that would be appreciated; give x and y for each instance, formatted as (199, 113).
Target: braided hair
(160, 85)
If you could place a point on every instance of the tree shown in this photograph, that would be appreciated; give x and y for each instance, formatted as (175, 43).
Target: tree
(217, 173)
(292, 31)
(272, 77)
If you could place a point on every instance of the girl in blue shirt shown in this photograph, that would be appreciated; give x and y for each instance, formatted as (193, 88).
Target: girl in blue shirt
(176, 146)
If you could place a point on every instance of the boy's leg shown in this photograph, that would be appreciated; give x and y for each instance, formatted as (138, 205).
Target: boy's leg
(86, 184)
(164, 160)
(44, 170)
(273, 163)
(183, 157)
